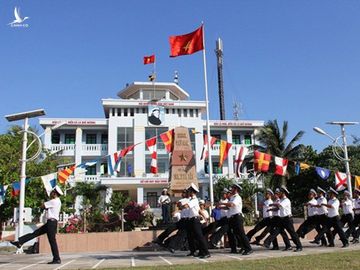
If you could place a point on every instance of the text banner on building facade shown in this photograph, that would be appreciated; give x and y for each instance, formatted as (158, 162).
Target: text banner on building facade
(186, 44)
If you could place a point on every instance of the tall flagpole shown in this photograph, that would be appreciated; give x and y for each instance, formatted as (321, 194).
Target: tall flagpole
(211, 188)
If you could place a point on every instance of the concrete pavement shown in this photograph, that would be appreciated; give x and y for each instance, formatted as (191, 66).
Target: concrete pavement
(134, 258)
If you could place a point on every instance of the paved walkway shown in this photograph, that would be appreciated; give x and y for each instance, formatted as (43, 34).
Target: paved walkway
(133, 258)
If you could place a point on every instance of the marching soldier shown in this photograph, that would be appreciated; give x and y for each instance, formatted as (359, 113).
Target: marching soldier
(333, 221)
(194, 227)
(321, 218)
(50, 227)
(311, 222)
(356, 222)
(286, 219)
(347, 206)
(266, 217)
(236, 222)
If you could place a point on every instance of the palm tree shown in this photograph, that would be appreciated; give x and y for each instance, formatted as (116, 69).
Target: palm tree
(273, 140)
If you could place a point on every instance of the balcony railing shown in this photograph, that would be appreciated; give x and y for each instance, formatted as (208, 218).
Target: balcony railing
(63, 149)
(94, 149)
(86, 150)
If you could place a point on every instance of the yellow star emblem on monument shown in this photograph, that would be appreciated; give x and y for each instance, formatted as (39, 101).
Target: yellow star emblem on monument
(183, 157)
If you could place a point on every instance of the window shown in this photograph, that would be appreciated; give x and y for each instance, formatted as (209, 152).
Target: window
(151, 199)
(185, 113)
(104, 168)
(144, 110)
(125, 137)
(70, 138)
(196, 113)
(162, 163)
(167, 111)
(125, 112)
(179, 112)
(154, 94)
(236, 139)
(192, 138)
(173, 97)
(216, 168)
(247, 139)
(126, 166)
(191, 112)
(55, 138)
(173, 111)
(131, 111)
(155, 132)
(91, 170)
(104, 139)
(90, 138)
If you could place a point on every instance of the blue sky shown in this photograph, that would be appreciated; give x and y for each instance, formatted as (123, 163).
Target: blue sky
(287, 60)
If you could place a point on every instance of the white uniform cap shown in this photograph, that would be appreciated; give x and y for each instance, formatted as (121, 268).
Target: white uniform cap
(319, 189)
(58, 190)
(193, 187)
(333, 191)
(201, 202)
(312, 191)
(346, 192)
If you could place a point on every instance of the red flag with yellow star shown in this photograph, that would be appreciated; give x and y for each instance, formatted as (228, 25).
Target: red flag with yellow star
(149, 59)
(187, 44)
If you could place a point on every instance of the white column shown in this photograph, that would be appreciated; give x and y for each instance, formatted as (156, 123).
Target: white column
(140, 195)
(47, 138)
(78, 145)
(231, 153)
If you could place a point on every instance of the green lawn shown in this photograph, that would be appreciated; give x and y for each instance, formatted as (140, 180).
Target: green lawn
(349, 260)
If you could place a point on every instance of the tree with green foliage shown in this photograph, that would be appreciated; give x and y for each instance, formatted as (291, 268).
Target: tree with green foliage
(274, 141)
(10, 155)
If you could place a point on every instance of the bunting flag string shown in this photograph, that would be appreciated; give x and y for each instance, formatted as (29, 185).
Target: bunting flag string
(151, 145)
(205, 152)
(340, 181)
(261, 161)
(240, 155)
(280, 166)
(322, 172)
(49, 182)
(64, 174)
(168, 139)
(224, 151)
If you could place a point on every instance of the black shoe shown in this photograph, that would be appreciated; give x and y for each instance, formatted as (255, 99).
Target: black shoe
(274, 248)
(234, 251)
(298, 249)
(171, 250)
(247, 252)
(255, 243)
(190, 254)
(205, 256)
(54, 262)
(355, 241)
(287, 248)
(266, 245)
(345, 245)
(16, 244)
(330, 245)
(323, 244)
(315, 242)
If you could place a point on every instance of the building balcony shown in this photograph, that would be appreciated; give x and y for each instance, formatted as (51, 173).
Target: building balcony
(94, 149)
(86, 150)
(63, 149)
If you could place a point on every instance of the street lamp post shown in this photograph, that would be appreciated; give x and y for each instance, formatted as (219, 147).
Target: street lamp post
(343, 147)
(16, 117)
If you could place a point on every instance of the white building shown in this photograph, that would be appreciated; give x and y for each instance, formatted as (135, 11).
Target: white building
(126, 123)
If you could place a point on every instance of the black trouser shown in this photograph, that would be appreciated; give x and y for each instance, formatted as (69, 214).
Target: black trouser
(265, 222)
(165, 212)
(286, 223)
(196, 237)
(333, 222)
(349, 220)
(169, 230)
(356, 223)
(236, 232)
(309, 224)
(50, 228)
(217, 235)
(274, 229)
